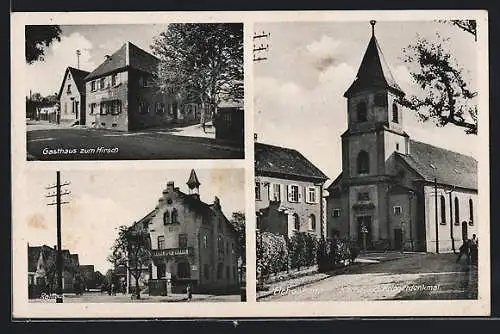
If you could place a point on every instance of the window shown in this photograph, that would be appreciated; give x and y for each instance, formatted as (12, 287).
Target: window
(361, 112)
(161, 242)
(220, 245)
(114, 79)
(312, 222)
(257, 191)
(219, 270)
(363, 162)
(93, 108)
(92, 86)
(113, 107)
(443, 210)
(183, 240)
(471, 212)
(166, 218)
(103, 108)
(395, 116)
(293, 193)
(174, 217)
(160, 107)
(206, 271)
(143, 107)
(205, 241)
(68, 90)
(311, 195)
(102, 83)
(296, 222)
(457, 212)
(397, 146)
(276, 192)
(161, 269)
(183, 270)
(336, 213)
(397, 210)
(363, 196)
(380, 100)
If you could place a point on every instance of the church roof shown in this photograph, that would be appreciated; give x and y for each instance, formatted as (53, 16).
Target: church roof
(449, 167)
(135, 58)
(193, 180)
(285, 162)
(374, 72)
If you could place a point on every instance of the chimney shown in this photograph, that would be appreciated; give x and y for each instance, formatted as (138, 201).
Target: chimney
(216, 202)
(255, 136)
(108, 57)
(170, 186)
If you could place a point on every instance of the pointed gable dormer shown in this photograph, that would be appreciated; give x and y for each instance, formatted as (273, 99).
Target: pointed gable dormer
(193, 183)
(374, 72)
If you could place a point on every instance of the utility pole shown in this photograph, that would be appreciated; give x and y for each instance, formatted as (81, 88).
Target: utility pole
(58, 202)
(436, 214)
(78, 53)
(258, 49)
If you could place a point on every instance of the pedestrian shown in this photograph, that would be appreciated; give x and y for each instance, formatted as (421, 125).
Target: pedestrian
(474, 249)
(464, 250)
(188, 291)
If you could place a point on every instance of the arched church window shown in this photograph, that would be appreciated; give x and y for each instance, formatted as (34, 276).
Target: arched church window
(361, 113)
(174, 216)
(395, 116)
(166, 218)
(443, 211)
(363, 163)
(296, 221)
(471, 212)
(457, 211)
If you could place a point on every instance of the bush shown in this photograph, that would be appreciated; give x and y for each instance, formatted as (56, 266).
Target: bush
(335, 253)
(272, 254)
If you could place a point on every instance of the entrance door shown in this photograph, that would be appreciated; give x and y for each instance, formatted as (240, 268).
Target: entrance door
(465, 235)
(365, 221)
(77, 104)
(398, 238)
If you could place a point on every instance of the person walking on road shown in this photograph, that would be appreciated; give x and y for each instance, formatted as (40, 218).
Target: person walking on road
(473, 249)
(189, 293)
(464, 250)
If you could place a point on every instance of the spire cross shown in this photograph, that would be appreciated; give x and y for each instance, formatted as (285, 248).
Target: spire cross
(372, 22)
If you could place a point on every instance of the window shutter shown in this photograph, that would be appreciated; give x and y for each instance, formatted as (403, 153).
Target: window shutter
(289, 192)
(270, 189)
(318, 195)
(300, 192)
(282, 192)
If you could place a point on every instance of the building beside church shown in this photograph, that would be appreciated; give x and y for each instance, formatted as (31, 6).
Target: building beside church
(192, 242)
(71, 97)
(122, 94)
(398, 192)
(288, 192)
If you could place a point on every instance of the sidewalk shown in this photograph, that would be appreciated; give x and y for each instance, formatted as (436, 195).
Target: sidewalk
(294, 280)
(195, 130)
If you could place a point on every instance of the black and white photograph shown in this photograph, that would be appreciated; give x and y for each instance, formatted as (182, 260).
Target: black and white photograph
(366, 160)
(127, 236)
(134, 91)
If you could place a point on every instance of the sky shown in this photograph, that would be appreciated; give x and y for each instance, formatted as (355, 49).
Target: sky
(94, 42)
(103, 200)
(298, 90)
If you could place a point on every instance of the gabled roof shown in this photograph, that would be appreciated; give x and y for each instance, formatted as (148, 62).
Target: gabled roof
(127, 56)
(34, 255)
(78, 77)
(285, 162)
(374, 72)
(450, 168)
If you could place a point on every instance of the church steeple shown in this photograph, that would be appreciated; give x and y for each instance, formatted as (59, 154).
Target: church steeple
(373, 72)
(193, 183)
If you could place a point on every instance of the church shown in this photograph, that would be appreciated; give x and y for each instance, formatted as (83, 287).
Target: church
(395, 192)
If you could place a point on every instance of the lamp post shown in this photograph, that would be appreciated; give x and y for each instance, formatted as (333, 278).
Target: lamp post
(364, 232)
(410, 219)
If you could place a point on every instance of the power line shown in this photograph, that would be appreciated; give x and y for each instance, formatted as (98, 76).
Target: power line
(58, 202)
(261, 48)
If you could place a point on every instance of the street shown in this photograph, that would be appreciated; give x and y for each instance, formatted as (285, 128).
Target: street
(410, 277)
(98, 297)
(94, 144)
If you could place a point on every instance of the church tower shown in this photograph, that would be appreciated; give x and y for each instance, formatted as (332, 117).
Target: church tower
(374, 133)
(193, 184)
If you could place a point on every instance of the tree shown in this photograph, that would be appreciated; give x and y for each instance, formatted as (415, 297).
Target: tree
(38, 38)
(238, 221)
(132, 250)
(201, 63)
(446, 95)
